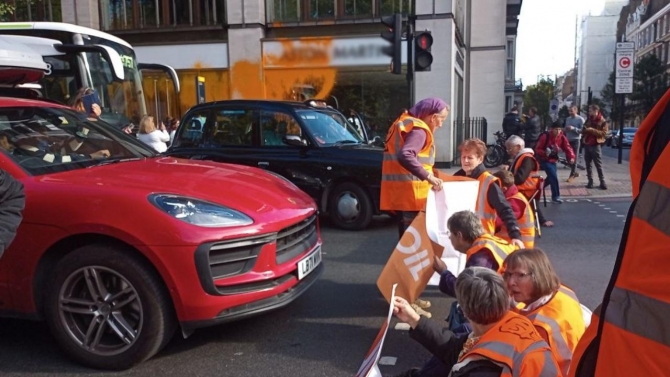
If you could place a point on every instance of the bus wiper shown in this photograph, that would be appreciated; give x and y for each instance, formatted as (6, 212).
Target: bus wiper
(347, 142)
(110, 161)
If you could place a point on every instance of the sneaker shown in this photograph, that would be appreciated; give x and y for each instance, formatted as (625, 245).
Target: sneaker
(572, 178)
(420, 311)
(603, 186)
(589, 185)
(557, 200)
(423, 304)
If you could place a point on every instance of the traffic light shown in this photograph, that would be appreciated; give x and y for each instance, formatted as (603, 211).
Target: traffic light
(394, 35)
(422, 57)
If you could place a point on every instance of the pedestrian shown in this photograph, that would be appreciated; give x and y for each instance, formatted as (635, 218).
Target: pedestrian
(512, 124)
(153, 136)
(12, 203)
(594, 131)
(407, 168)
(526, 172)
(573, 130)
(532, 128)
(547, 148)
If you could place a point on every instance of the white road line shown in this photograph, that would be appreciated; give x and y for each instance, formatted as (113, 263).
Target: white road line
(402, 326)
(620, 215)
(387, 360)
(601, 205)
(612, 211)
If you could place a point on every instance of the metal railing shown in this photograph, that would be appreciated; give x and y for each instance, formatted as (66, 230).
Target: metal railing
(468, 128)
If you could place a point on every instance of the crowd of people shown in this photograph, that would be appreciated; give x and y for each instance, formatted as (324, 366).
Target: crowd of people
(512, 315)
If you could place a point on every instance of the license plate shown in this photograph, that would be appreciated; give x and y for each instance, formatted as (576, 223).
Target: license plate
(308, 264)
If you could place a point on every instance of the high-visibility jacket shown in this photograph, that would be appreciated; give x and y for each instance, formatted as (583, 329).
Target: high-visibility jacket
(561, 319)
(629, 334)
(483, 209)
(526, 223)
(497, 247)
(529, 186)
(514, 344)
(400, 189)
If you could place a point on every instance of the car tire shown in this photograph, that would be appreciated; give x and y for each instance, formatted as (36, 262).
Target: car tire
(350, 207)
(132, 311)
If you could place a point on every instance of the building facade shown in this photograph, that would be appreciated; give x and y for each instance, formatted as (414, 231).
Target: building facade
(329, 49)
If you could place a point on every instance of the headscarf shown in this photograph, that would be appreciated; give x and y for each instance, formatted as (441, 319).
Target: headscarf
(428, 106)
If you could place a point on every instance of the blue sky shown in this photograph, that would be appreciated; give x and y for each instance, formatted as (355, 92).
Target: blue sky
(546, 36)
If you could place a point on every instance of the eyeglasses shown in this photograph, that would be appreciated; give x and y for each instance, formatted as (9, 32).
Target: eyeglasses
(516, 275)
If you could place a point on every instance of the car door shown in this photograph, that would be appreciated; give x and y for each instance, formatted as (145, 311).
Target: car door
(299, 164)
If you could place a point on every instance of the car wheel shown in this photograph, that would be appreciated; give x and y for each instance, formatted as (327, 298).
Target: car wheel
(107, 309)
(350, 207)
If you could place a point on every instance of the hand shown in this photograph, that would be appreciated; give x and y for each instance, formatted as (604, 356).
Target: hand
(404, 311)
(518, 243)
(504, 167)
(438, 265)
(100, 154)
(569, 128)
(96, 110)
(128, 129)
(572, 161)
(162, 127)
(435, 182)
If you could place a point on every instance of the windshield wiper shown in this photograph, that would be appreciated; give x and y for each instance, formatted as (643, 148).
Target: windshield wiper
(110, 161)
(346, 142)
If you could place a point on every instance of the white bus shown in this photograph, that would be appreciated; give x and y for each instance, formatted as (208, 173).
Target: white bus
(90, 58)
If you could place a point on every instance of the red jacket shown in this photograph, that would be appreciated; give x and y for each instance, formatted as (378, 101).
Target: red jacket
(556, 143)
(518, 207)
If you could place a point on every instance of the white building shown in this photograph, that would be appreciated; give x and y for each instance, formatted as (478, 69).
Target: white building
(596, 52)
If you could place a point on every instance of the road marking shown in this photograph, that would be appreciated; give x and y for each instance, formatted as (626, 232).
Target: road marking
(402, 326)
(387, 360)
(595, 202)
(612, 211)
(571, 200)
(588, 200)
(620, 215)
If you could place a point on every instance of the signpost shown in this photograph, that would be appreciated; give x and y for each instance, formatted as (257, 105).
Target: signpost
(623, 83)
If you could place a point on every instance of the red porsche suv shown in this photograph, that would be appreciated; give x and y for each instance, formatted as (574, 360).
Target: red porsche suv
(119, 247)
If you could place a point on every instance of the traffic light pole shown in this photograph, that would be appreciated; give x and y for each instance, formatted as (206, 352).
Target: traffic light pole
(621, 120)
(410, 58)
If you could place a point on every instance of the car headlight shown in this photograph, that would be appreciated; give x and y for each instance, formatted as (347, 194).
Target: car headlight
(199, 212)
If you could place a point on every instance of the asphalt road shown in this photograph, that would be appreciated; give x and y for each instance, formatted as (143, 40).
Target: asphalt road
(328, 330)
(614, 152)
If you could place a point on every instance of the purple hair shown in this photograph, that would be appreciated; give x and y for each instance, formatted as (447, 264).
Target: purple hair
(428, 106)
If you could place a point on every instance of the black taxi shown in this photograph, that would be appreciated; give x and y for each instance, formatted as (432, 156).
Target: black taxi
(309, 143)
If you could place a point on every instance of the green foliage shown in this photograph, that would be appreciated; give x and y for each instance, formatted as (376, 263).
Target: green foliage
(6, 10)
(563, 112)
(538, 96)
(650, 83)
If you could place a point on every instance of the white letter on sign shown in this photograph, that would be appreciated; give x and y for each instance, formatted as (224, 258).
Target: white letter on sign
(415, 246)
(421, 261)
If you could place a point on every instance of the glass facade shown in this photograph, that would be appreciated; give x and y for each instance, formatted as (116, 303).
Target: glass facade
(319, 10)
(30, 10)
(143, 14)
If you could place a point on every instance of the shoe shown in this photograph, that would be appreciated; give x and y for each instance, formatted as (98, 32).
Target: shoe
(557, 200)
(589, 185)
(603, 186)
(572, 178)
(420, 311)
(423, 304)
(547, 224)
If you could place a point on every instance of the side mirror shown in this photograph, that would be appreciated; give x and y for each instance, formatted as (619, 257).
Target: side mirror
(110, 55)
(163, 68)
(294, 141)
(376, 140)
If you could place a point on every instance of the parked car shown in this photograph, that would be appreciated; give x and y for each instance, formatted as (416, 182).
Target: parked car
(628, 136)
(119, 247)
(309, 144)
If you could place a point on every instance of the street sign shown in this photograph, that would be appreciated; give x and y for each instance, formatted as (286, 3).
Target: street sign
(623, 85)
(625, 46)
(553, 106)
(624, 63)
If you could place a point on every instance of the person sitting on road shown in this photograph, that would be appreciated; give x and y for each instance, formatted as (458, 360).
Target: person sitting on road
(526, 172)
(502, 342)
(490, 199)
(537, 294)
(522, 210)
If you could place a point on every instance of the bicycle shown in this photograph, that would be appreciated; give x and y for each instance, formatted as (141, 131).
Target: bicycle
(496, 154)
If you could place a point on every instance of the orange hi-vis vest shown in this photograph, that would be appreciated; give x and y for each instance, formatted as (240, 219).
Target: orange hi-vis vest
(561, 319)
(629, 334)
(483, 209)
(528, 187)
(526, 224)
(498, 247)
(514, 344)
(400, 189)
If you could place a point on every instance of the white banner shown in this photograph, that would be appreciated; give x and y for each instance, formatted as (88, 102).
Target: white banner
(369, 367)
(454, 197)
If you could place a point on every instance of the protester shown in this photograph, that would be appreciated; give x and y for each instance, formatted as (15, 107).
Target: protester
(537, 294)
(490, 199)
(526, 172)
(522, 211)
(594, 132)
(502, 342)
(573, 131)
(547, 148)
(407, 169)
(152, 136)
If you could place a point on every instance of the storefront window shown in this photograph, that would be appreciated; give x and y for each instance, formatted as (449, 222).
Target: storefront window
(315, 10)
(388, 7)
(358, 8)
(321, 9)
(34, 10)
(119, 14)
(283, 10)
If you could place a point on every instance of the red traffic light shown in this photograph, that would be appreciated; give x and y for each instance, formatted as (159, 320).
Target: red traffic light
(424, 41)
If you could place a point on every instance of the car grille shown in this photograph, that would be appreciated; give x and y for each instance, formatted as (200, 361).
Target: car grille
(296, 239)
(236, 257)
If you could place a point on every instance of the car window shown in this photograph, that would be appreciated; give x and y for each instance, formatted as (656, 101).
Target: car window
(46, 140)
(231, 127)
(275, 126)
(191, 132)
(329, 128)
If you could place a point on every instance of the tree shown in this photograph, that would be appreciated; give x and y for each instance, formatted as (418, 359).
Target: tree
(650, 83)
(563, 112)
(6, 10)
(596, 101)
(538, 96)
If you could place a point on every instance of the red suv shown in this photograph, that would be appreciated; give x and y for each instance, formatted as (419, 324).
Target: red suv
(119, 246)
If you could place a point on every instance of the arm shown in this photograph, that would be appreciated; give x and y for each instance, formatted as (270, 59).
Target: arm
(567, 148)
(414, 142)
(602, 132)
(540, 147)
(524, 171)
(478, 259)
(163, 136)
(12, 202)
(497, 200)
(438, 340)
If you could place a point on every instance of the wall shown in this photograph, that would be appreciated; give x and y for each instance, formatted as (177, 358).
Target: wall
(597, 54)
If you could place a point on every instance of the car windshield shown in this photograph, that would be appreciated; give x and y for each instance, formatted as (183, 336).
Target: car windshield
(46, 140)
(329, 127)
